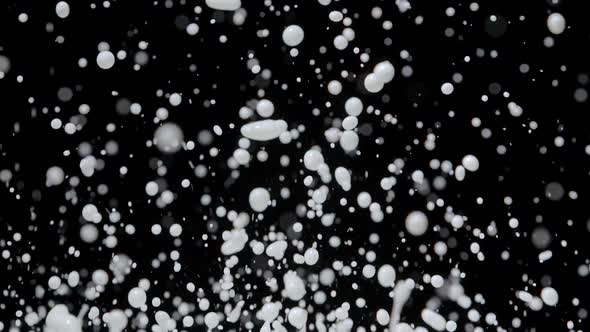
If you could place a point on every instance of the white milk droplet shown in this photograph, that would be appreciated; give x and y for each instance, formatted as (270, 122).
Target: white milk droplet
(350, 122)
(59, 319)
(211, 320)
(235, 241)
(293, 35)
(168, 138)
(105, 60)
(556, 23)
(224, 4)
(313, 159)
(386, 275)
(294, 286)
(54, 176)
(277, 249)
(433, 319)
(116, 320)
(372, 83)
(264, 130)
(342, 176)
(62, 9)
(470, 162)
(136, 297)
(416, 223)
(382, 317)
(297, 317)
(259, 199)
(447, 88)
(311, 256)
(349, 140)
(550, 296)
(353, 106)
(384, 71)
(265, 108)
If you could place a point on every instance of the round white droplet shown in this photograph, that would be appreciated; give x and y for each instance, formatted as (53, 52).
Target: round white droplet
(175, 99)
(382, 317)
(259, 199)
(211, 320)
(168, 138)
(62, 9)
(54, 176)
(349, 140)
(175, 230)
(151, 188)
(311, 256)
(59, 319)
(335, 16)
(368, 271)
(334, 87)
(437, 281)
(242, 156)
(297, 317)
(105, 60)
(293, 35)
(349, 34)
(116, 320)
(136, 297)
(313, 159)
(550, 296)
(470, 162)
(192, 29)
(386, 275)
(340, 42)
(229, 5)
(447, 88)
(56, 123)
(162, 318)
(556, 23)
(350, 122)
(265, 108)
(88, 233)
(363, 199)
(372, 83)
(100, 277)
(54, 282)
(294, 286)
(353, 106)
(89, 212)
(384, 71)
(457, 221)
(416, 223)
(514, 109)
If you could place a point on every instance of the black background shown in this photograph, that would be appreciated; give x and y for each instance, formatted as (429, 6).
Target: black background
(222, 75)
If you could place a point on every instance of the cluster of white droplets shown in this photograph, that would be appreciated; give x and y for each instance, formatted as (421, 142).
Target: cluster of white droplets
(302, 265)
